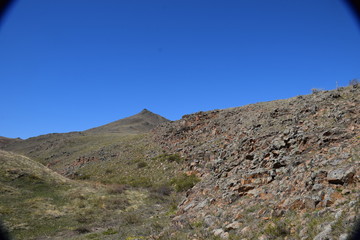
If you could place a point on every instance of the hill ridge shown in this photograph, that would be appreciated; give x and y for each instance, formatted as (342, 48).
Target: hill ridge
(138, 123)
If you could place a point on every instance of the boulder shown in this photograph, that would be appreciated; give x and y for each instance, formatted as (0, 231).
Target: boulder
(341, 175)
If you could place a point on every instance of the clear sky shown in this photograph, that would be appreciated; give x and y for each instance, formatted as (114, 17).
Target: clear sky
(70, 65)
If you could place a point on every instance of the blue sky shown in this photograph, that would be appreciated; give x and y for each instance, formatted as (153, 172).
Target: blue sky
(69, 65)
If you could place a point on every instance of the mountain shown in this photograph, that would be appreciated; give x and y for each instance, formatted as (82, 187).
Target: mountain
(58, 150)
(285, 169)
(139, 123)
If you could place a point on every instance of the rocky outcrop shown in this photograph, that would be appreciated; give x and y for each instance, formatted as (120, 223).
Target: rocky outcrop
(288, 168)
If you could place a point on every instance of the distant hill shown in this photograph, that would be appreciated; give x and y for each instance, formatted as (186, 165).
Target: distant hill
(139, 123)
(6, 141)
(59, 151)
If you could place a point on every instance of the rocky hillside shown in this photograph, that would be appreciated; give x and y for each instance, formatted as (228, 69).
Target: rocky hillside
(287, 169)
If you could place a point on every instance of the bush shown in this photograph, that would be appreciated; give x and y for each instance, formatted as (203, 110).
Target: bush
(276, 229)
(141, 164)
(117, 189)
(82, 230)
(137, 181)
(184, 182)
(163, 190)
(132, 218)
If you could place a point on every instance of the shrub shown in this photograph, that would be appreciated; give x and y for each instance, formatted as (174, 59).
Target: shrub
(160, 193)
(83, 219)
(276, 229)
(141, 164)
(163, 190)
(184, 182)
(117, 189)
(82, 230)
(132, 218)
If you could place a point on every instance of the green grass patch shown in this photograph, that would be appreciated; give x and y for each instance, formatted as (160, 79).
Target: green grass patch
(184, 182)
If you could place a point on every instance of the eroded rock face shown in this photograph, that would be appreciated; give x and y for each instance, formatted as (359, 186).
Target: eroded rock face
(294, 159)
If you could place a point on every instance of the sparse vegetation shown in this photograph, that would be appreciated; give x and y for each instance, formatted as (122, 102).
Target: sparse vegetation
(127, 187)
(316, 90)
(276, 229)
(169, 158)
(184, 182)
(141, 164)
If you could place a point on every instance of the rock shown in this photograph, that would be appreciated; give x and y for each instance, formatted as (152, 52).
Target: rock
(278, 144)
(221, 233)
(201, 205)
(218, 231)
(344, 236)
(317, 187)
(263, 237)
(309, 203)
(345, 192)
(303, 233)
(341, 176)
(209, 220)
(233, 226)
(338, 214)
(245, 230)
(325, 234)
(190, 205)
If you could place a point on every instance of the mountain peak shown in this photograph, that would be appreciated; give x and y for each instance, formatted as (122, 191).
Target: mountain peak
(142, 122)
(145, 111)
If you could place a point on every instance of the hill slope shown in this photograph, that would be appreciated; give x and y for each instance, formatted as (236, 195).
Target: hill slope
(4, 141)
(60, 150)
(37, 203)
(287, 169)
(139, 123)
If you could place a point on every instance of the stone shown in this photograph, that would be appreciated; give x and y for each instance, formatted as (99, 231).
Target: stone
(303, 233)
(345, 192)
(201, 205)
(325, 234)
(233, 226)
(245, 230)
(209, 220)
(221, 233)
(190, 205)
(341, 176)
(218, 231)
(338, 214)
(343, 236)
(263, 237)
(309, 203)
(278, 144)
